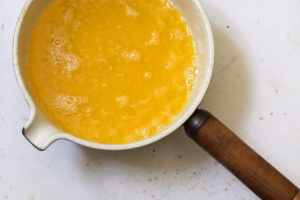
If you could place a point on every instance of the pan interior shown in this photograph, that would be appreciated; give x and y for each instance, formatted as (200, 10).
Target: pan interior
(197, 21)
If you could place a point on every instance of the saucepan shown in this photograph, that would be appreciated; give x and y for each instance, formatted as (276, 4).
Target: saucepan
(200, 125)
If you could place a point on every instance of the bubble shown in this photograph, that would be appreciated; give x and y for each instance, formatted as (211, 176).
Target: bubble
(161, 128)
(77, 23)
(166, 113)
(171, 62)
(131, 55)
(189, 75)
(170, 65)
(189, 82)
(72, 62)
(57, 59)
(131, 12)
(68, 61)
(148, 75)
(68, 15)
(177, 34)
(122, 100)
(168, 3)
(57, 42)
(101, 59)
(69, 104)
(89, 110)
(154, 39)
(104, 112)
(66, 104)
(58, 39)
(155, 122)
(144, 132)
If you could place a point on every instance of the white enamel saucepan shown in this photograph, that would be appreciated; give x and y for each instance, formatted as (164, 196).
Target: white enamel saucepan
(200, 125)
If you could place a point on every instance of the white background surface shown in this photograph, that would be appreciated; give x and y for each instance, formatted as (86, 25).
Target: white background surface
(257, 71)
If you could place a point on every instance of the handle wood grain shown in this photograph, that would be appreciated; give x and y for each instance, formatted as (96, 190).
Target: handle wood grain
(297, 196)
(262, 178)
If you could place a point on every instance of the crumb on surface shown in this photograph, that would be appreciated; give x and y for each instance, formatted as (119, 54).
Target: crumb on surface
(180, 156)
(276, 91)
(271, 113)
(261, 118)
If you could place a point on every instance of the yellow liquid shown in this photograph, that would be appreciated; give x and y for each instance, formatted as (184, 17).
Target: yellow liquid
(111, 71)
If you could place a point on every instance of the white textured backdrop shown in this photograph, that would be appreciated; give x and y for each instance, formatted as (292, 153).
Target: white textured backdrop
(255, 90)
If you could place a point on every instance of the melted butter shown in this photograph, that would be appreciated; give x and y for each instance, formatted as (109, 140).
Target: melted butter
(111, 71)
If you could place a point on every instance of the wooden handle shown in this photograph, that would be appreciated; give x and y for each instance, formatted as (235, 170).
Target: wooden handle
(263, 179)
(297, 196)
